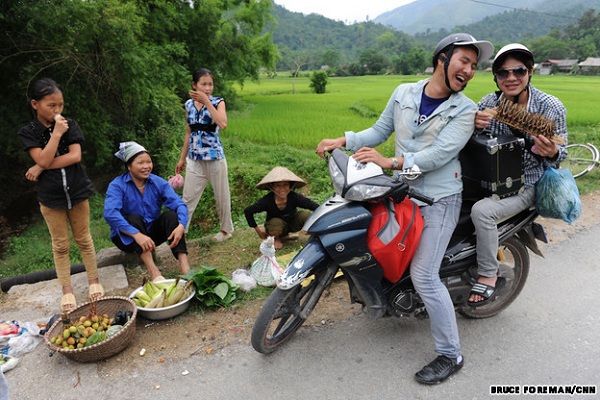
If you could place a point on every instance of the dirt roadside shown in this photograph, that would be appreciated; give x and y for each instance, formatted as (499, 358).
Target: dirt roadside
(206, 332)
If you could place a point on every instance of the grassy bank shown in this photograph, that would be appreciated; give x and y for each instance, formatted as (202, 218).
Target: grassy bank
(273, 126)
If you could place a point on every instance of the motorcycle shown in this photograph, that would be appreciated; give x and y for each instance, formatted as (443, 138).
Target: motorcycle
(338, 242)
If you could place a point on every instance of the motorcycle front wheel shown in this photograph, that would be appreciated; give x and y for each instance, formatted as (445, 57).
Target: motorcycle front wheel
(285, 311)
(514, 267)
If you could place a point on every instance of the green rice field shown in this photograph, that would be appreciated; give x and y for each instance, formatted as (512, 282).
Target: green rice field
(272, 114)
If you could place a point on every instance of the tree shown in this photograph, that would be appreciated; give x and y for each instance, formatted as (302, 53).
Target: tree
(331, 58)
(356, 69)
(300, 59)
(318, 81)
(124, 67)
(413, 62)
(373, 62)
(546, 48)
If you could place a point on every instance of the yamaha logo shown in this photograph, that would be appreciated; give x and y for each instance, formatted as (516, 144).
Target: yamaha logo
(339, 247)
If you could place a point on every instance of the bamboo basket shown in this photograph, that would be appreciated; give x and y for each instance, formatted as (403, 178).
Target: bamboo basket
(108, 347)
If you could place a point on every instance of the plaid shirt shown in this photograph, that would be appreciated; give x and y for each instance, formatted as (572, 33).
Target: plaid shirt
(539, 103)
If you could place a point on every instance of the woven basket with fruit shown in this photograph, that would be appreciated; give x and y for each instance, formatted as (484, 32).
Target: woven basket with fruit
(94, 331)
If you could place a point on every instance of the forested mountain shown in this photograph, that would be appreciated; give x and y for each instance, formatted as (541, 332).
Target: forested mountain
(518, 25)
(424, 16)
(312, 39)
(309, 41)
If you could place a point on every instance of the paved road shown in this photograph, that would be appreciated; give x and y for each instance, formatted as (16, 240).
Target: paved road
(549, 336)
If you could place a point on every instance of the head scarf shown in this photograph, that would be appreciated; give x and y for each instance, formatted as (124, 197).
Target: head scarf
(127, 150)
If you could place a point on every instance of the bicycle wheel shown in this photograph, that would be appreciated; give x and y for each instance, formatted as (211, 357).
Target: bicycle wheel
(581, 159)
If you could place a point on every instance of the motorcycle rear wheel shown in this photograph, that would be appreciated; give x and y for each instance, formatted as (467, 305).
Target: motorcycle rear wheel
(515, 268)
(285, 311)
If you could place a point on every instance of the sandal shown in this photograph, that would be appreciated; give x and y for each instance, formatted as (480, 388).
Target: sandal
(68, 302)
(222, 236)
(96, 291)
(485, 291)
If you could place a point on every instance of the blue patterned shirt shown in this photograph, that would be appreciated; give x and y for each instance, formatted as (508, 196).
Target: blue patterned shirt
(539, 103)
(204, 144)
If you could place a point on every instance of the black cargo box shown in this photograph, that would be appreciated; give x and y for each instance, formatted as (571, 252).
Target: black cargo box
(492, 166)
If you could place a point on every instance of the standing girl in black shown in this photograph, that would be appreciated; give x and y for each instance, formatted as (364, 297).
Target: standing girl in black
(54, 144)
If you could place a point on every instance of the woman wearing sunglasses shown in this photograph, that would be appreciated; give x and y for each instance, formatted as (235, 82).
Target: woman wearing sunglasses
(512, 69)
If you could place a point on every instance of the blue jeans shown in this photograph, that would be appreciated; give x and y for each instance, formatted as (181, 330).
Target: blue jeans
(440, 220)
(3, 387)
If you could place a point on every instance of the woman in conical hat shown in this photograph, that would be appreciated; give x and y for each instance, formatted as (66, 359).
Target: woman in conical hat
(280, 174)
(281, 205)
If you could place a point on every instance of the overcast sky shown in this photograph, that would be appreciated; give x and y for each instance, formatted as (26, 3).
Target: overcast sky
(348, 11)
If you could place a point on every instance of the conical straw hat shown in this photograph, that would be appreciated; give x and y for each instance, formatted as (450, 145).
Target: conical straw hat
(280, 174)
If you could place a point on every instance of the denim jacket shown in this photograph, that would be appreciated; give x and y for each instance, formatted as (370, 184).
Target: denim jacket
(433, 145)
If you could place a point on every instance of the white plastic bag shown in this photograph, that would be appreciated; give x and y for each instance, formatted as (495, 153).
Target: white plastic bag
(22, 344)
(25, 339)
(243, 278)
(265, 270)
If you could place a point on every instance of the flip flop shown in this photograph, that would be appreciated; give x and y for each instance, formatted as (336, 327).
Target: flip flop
(96, 291)
(68, 302)
(485, 291)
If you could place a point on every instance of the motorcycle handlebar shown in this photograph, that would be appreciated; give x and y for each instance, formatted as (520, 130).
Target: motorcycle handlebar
(418, 196)
(403, 190)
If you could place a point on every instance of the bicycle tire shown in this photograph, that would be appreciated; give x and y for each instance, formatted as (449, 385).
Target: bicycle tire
(581, 158)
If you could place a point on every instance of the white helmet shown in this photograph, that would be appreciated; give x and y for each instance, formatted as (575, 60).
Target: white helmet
(510, 48)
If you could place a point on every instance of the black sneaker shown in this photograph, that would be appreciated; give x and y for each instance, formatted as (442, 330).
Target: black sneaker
(438, 370)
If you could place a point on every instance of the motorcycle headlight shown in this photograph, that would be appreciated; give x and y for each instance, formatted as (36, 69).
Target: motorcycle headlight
(337, 177)
(365, 192)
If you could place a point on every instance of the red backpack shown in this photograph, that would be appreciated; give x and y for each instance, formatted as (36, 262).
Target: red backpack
(393, 235)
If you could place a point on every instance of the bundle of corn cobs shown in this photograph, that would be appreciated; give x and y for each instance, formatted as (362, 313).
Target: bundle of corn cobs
(519, 118)
(162, 294)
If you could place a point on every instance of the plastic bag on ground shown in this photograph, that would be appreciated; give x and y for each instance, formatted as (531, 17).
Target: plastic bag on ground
(265, 270)
(243, 278)
(7, 363)
(17, 338)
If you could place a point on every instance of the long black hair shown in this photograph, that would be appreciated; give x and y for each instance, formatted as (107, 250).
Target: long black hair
(41, 88)
(200, 72)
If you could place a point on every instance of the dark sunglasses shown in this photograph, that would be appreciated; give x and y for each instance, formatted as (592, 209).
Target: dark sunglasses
(518, 72)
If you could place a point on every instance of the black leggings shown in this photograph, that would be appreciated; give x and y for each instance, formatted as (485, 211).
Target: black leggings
(159, 231)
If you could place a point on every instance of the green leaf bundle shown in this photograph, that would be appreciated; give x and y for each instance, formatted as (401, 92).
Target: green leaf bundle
(213, 289)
